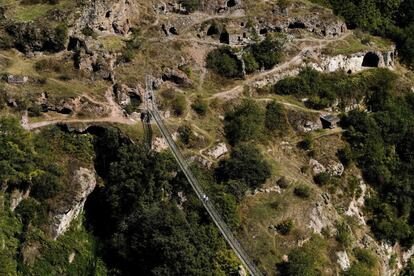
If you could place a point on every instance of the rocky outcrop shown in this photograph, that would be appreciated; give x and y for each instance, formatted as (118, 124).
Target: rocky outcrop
(217, 151)
(108, 16)
(30, 37)
(16, 197)
(209, 6)
(343, 260)
(177, 76)
(16, 79)
(73, 105)
(123, 94)
(358, 61)
(83, 183)
(323, 215)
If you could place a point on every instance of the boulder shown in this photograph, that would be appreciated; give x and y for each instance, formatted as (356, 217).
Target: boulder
(316, 167)
(218, 151)
(343, 260)
(177, 76)
(16, 79)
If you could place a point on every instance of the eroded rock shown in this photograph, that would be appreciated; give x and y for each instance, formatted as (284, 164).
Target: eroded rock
(83, 183)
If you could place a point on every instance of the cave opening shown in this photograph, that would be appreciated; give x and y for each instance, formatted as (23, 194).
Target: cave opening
(370, 60)
(297, 25)
(231, 3)
(173, 31)
(225, 37)
(263, 31)
(213, 30)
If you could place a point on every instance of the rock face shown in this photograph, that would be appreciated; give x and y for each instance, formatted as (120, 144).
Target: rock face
(16, 197)
(123, 94)
(218, 151)
(16, 79)
(323, 215)
(358, 61)
(108, 16)
(84, 182)
(343, 260)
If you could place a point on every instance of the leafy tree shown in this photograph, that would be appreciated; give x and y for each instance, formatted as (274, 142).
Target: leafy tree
(268, 52)
(186, 134)
(302, 191)
(244, 123)
(250, 63)
(200, 106)
(246, 164)
(223, 62)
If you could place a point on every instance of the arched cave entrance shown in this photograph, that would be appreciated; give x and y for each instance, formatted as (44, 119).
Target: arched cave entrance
(231, 3)
(225, 37)
(370, 60)
(213, 30)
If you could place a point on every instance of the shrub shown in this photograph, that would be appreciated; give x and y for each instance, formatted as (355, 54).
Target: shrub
(190, 5)
(343, 235)
(186, 134)
(285, 227)
(268, 52)
(322, 178)
(302, 191)
(246, 164)
(345, 155)
(365, 256)
(127, 56)
(250, 63)
(200, 106)
(306, 143)
(244, 123)
(223, 62)
(88, 31)
(283, 182)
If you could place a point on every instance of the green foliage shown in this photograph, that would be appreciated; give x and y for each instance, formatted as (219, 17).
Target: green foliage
(365, 257)
(268, 52)
(246, 164)
(322, 179)
(250, 63)
(223, 62)
(393, 19)
(244, 123)
(139, 226)
(283, 182)
(285, 227)
(88, 31)
(409, 269)
(190, 5)
(343, 235)
(302, 191)
(345, 155)
(200, 106)
(381, 144)
(276, 119)
(306, 143)
(358, 270)
(306, 260)
(186, 135)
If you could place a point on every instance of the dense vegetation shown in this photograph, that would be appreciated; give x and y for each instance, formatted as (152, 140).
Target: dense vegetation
(264, 54)
(41, 162)
(324, 90)
(137, 218)
(382, 145)
(393, 19)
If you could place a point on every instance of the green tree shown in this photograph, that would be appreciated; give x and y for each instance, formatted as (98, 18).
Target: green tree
(244, 123)
(223, 62)
(246, 164)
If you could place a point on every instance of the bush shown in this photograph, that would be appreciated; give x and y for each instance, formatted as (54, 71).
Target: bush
(190, 5)
(345, 155)
(223, 62)
(322, 179)
(343, 236)
(246, 164)
(306, 143)
(285, 227)
(186, 134)
(127, 56)
(302, 191)
(244, 123)
(200, 106)
(268, 52)
(250, 63)
(283, 182)
(88, 31)
(365, 257)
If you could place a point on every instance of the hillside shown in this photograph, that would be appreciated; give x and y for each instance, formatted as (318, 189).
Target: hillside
(295, 116)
